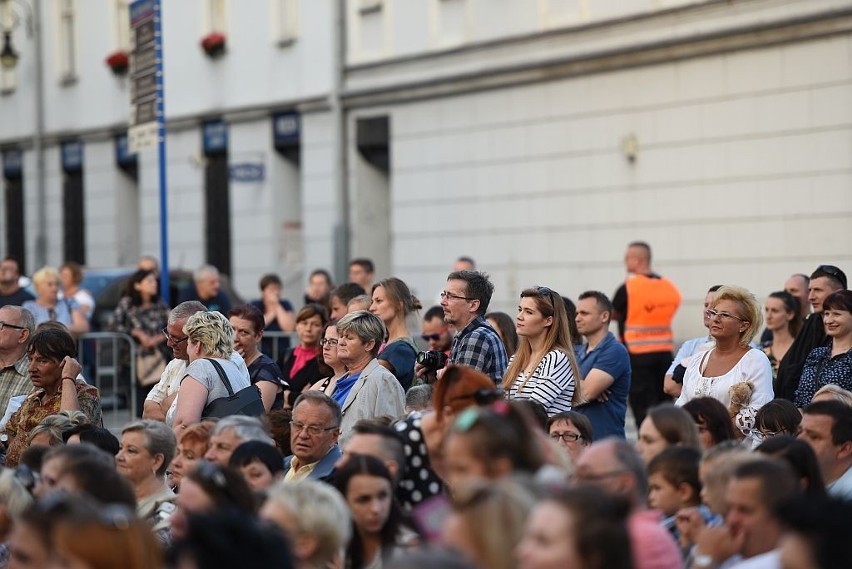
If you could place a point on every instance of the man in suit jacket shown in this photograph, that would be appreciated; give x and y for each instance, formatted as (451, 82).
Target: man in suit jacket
(314, 431)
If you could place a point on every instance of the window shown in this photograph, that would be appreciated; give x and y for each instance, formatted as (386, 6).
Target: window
(286, 18)
(67, 43)
(122, 24)
(216, 16)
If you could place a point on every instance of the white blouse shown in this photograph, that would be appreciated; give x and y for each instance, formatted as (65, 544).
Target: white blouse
(754, 366)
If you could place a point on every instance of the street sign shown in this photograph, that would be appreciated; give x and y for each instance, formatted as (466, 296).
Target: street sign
(146, 75)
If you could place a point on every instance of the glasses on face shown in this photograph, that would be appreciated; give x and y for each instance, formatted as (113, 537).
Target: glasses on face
(566, 437)
(175, 341)
(433, 337)
(758, 434)
(581, 476)
(713, 314)
(313, 430)
(450, 296)
(7, 325)
(328, 342)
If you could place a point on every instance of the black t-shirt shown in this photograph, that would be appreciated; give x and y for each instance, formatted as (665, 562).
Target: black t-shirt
(17, 298)
(811, 336)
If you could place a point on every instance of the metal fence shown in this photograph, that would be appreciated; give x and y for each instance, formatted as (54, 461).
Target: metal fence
(109, 363)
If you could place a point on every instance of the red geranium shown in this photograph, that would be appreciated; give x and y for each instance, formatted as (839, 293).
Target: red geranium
(213, 44)
(118, 62)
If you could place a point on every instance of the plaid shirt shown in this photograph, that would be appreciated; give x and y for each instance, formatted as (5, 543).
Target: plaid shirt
(478, 346)
(14, 381)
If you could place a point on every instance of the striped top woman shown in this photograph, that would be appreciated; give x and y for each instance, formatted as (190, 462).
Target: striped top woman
(543, 369)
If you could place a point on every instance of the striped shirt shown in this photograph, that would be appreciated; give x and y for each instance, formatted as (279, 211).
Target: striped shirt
(551, 385)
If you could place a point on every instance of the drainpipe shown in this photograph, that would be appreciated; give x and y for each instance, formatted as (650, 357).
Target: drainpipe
(342, 227)
(38, 142)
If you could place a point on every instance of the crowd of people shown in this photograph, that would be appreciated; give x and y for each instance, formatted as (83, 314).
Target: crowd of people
(458, 438)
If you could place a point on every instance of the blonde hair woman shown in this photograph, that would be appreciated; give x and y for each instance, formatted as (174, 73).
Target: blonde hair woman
(735, 317)
(543, 369)
(49, 307)
(209, 335)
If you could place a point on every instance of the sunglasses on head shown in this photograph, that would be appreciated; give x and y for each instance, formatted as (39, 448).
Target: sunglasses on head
(482, 397)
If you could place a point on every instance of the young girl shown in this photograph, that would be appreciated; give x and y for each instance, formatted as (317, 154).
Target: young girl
(543, 369)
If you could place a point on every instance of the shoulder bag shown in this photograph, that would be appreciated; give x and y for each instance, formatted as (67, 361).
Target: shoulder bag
(244, 402)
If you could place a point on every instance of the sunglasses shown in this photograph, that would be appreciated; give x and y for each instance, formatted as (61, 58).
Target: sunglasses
(834, 272)
(481, 397)
(434, 337)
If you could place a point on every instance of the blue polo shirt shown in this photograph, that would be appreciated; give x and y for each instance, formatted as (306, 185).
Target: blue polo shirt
(609, 356)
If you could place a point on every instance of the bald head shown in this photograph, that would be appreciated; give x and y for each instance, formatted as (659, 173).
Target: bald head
(614, 465)
(637, 259)
(797, 285)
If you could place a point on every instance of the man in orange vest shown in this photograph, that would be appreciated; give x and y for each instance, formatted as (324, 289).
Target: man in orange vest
(644, 307)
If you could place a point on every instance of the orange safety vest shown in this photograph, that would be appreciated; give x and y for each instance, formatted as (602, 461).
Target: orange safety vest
(651, 306)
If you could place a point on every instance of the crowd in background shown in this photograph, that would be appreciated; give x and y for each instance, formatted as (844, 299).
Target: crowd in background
(456, 437)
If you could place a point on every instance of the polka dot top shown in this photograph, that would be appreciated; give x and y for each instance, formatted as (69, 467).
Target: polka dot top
(419, 482)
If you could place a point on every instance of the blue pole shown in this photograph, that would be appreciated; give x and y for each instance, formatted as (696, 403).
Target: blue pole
(161, 150)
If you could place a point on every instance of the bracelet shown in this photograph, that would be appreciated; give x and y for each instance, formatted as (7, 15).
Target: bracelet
(68, 377)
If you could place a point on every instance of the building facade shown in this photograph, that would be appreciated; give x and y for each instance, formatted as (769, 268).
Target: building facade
(537, 136)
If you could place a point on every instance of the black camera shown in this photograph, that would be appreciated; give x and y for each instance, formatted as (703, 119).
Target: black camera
(432, 360)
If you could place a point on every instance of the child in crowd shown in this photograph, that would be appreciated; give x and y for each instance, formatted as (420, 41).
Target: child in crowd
(673, 485)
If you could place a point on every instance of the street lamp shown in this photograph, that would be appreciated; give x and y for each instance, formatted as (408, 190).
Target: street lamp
(8, 55)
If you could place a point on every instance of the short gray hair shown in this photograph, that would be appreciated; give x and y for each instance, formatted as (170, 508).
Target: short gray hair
(317, 397)
(203, 271)
(213, 331)
(23, 316)
(418, 398)
(366, 326)
(244, 428)
(184, 310)
(317, 510)
(631, 462)
(159, 439)
(13, 494)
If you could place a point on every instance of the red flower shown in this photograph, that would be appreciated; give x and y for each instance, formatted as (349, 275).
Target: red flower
(213, 44)
(118, 61)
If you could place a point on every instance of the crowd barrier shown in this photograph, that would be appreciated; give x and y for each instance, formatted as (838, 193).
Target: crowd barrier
(109, 363)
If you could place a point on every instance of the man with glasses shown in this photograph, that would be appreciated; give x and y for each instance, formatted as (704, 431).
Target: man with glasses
(605, 367)
(825, 280)
(314, 431)
(436, 332)
(465, 302)
(615, 466)
(164, 393)
(10, 290)
(16, 327)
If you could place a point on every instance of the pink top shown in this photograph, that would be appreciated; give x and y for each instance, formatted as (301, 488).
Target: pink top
(653, 545)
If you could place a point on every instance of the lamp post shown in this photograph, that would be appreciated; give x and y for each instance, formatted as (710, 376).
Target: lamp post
(9, 60)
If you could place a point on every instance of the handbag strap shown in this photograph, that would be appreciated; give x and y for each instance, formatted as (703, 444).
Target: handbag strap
(222, 375)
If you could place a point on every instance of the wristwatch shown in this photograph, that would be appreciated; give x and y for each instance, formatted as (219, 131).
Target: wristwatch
(703, 561)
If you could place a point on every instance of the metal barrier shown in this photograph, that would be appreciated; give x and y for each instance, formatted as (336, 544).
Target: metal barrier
(109, 360)
(274, 342)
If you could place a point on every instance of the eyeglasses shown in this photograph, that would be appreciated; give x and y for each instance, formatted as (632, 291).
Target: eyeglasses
(566, 437)
(328, 342)
(450, 296)
(172, 339)
(481, 396)
(13, 326)
(313, 430)
(581, 476)
(433, 337)
(712, 314)
(757, 434)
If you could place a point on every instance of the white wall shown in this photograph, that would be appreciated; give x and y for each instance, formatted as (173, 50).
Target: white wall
(742, 176)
